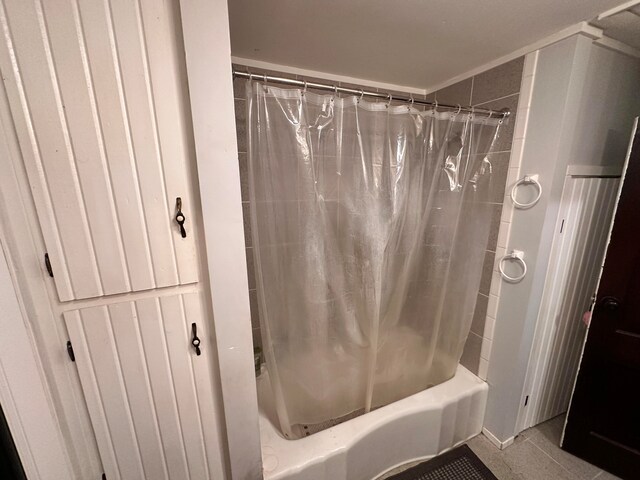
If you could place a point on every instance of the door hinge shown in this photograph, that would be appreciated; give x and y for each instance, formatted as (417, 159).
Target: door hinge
(526, 400)
(72, 355)
(47, 264)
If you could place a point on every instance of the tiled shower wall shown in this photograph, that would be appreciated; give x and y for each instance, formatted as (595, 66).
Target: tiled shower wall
(495, 89)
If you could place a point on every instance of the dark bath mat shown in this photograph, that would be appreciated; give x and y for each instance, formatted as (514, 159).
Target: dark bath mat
(457, 464)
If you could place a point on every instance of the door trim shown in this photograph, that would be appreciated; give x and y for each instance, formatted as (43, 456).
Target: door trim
(21, 240)
(594, 171)
(205, 26)
(24, 393)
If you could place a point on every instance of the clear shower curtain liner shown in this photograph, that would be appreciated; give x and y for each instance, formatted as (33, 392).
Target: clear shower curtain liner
(369, 227)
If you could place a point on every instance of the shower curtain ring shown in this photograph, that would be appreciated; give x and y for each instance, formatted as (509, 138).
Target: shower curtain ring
(459, 109)
(434, 110)
(390, 97)
(265, 77)
(412, 100)
(361, 94)
(304, 90)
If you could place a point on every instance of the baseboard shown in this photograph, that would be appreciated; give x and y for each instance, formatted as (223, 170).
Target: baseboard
(493, 439)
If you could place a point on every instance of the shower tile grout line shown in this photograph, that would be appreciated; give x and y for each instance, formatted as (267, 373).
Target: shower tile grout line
(496, 99)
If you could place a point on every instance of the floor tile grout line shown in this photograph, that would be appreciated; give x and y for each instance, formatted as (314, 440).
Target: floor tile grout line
(553, 459)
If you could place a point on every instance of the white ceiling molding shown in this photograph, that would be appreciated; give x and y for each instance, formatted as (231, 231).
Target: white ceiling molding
(618, 9)
(579, 28)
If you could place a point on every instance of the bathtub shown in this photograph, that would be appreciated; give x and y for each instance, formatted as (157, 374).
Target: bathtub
(417, 427)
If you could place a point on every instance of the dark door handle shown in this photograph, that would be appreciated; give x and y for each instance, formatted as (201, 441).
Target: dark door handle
(47, 263)
(195, 341)
(610, 303)
(180, 218)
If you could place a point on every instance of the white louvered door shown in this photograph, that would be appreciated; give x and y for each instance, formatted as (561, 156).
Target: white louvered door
(97, 94)
(586, 209)
(149, 394)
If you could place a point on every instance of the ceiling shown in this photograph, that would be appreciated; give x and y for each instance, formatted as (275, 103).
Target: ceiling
(414, 43)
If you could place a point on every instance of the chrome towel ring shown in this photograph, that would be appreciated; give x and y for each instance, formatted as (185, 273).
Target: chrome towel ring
(518, 256)
(527, 180)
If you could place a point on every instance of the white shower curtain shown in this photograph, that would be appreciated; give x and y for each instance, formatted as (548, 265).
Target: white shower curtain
(369, 227)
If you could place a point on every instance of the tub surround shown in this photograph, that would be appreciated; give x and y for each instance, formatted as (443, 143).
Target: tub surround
(417, 427)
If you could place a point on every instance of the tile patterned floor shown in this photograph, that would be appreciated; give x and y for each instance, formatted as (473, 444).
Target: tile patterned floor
(535, 455)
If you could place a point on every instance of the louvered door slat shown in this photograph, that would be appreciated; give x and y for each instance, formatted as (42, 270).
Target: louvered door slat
(149, 395)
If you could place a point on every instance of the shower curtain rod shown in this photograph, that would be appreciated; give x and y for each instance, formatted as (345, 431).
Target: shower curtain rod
(365, 93)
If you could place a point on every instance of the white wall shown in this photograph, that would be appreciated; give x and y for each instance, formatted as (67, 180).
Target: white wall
(610, 100)
(208, 58)
(582, 107)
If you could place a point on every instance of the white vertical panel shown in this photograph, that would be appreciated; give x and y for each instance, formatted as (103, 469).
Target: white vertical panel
(138, 97)
(109, 416)
(150, 397)
(585, 214)
(203, 376)
(44, 138)
(97, 99)
(161, 379)
(109, 97)
(87, 148)
(173, 126)
(177, 336)
(133, 365)
(92, 395)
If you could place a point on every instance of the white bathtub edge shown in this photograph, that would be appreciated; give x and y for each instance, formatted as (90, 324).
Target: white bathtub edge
(453, 411)
(425, 458)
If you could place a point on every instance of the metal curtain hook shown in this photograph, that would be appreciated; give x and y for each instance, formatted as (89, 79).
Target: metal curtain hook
(361, 94)
(459, 109)
(434, 110)
(335, 91)
(390, 97)
(304, 90)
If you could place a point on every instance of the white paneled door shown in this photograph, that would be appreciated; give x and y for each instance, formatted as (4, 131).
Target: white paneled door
(583, 223)
(148, 391)
(98, 98)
